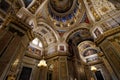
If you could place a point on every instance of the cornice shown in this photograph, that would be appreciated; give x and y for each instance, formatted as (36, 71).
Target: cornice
(18, 24)
(56, 54)
(107, 34)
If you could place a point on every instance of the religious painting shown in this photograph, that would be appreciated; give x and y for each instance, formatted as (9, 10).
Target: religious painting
(89, 52)
(38, 52)
(86, 46)
(61, 48)
(31, 49)
(97, 32)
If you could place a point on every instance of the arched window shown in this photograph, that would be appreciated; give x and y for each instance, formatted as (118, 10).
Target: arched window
(35, 47)
(36, 42)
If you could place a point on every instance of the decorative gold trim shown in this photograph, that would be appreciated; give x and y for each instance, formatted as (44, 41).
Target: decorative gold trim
(107, 34)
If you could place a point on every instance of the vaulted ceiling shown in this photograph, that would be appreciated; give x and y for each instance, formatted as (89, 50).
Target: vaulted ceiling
(59, 20)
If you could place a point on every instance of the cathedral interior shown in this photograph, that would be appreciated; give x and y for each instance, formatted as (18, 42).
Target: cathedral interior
(60, 39)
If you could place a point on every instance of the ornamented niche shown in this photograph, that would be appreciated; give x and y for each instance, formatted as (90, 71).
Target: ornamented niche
(97, 32)
(61, 48)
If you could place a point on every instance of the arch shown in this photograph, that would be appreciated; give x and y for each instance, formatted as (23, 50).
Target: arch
(35, 47)
(42, 39)
(37, 42)
(70, 33)
(50, 28)
(89, 52)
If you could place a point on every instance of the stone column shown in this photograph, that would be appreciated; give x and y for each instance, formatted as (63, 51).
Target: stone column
(63, 68)
(56, 69)
(11, 37)
(43, 73)
(111, 55)
(108, 67)
(8, 53)
(88, 72)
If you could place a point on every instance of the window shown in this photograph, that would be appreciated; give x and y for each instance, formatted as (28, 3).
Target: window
(37, 42)
(35, 47)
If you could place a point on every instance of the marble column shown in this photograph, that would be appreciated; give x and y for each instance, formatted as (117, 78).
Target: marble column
(63, 68)
(11, 41)
(42, 73)
(110, 51)
(9, 52)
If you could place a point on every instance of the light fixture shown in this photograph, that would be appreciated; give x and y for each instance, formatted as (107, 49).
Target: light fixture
(42, 63)
(93, 68)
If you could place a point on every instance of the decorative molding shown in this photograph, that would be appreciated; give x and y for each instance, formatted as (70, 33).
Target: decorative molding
(107, 34)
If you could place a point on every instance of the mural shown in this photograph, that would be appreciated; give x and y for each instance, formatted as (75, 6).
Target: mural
(34, 50)
(61, 5)
(61, 48)
(89, 52)
(97, 32)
